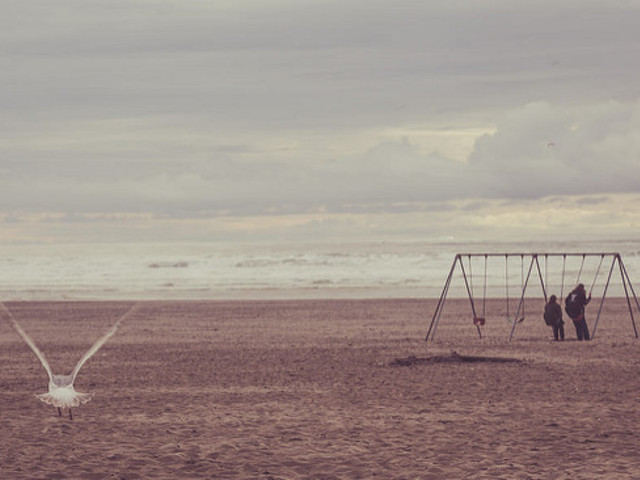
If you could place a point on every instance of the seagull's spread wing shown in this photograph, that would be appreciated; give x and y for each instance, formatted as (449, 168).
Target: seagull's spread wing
(27, 339)
(101, 341)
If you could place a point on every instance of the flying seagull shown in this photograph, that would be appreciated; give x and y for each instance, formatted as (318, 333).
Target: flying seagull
(61, 392)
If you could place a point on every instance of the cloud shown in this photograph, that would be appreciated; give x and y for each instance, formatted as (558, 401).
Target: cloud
(243, 109)
(541, 149)
(536, 150)
(276, 64)
(611, 217)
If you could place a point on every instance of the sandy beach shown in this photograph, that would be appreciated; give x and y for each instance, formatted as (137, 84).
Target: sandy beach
(320, 389)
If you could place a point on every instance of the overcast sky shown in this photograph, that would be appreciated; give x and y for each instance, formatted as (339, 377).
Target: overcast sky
(270, 119)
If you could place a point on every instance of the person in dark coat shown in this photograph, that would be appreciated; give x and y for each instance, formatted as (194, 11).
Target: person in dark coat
(575, 304)
(553, 317)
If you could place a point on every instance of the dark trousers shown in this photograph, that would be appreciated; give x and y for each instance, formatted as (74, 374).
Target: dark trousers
(582, 331)
(558, 330)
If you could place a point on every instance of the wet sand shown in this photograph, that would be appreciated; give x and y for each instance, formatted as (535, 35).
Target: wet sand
(320, 389)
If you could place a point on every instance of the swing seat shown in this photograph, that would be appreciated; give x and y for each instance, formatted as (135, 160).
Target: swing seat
(520, 320)
(478, 321)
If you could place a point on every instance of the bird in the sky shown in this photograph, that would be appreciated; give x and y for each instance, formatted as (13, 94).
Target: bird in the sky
(61, 393)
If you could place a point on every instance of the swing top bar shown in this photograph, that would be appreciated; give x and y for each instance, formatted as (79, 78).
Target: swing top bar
(542, 254)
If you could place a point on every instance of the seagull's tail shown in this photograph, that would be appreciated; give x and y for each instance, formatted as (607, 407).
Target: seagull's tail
(67, 399)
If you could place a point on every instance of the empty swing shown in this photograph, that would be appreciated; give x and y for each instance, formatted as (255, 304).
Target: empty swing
(580, 271)
(593, 283)
(545, 283)
(564, 269)
(479, 320)
(521, 319)
(506, 283)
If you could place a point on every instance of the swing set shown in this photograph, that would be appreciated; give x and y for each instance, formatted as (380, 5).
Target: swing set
(478, 308)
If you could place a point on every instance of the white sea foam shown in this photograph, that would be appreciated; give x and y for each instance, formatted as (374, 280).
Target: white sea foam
(203, 271)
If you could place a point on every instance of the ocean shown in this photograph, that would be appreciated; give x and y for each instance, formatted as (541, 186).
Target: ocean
(198, 271)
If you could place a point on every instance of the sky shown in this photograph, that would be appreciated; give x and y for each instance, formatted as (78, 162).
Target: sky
(274, 120)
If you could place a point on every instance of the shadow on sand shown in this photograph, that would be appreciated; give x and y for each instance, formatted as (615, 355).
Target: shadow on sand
(453, 357)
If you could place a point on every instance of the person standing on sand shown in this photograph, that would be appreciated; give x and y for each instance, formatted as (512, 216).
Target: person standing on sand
(553, 317)
(574, 305)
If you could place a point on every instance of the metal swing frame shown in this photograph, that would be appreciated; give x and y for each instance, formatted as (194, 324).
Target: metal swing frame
(458, 260)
